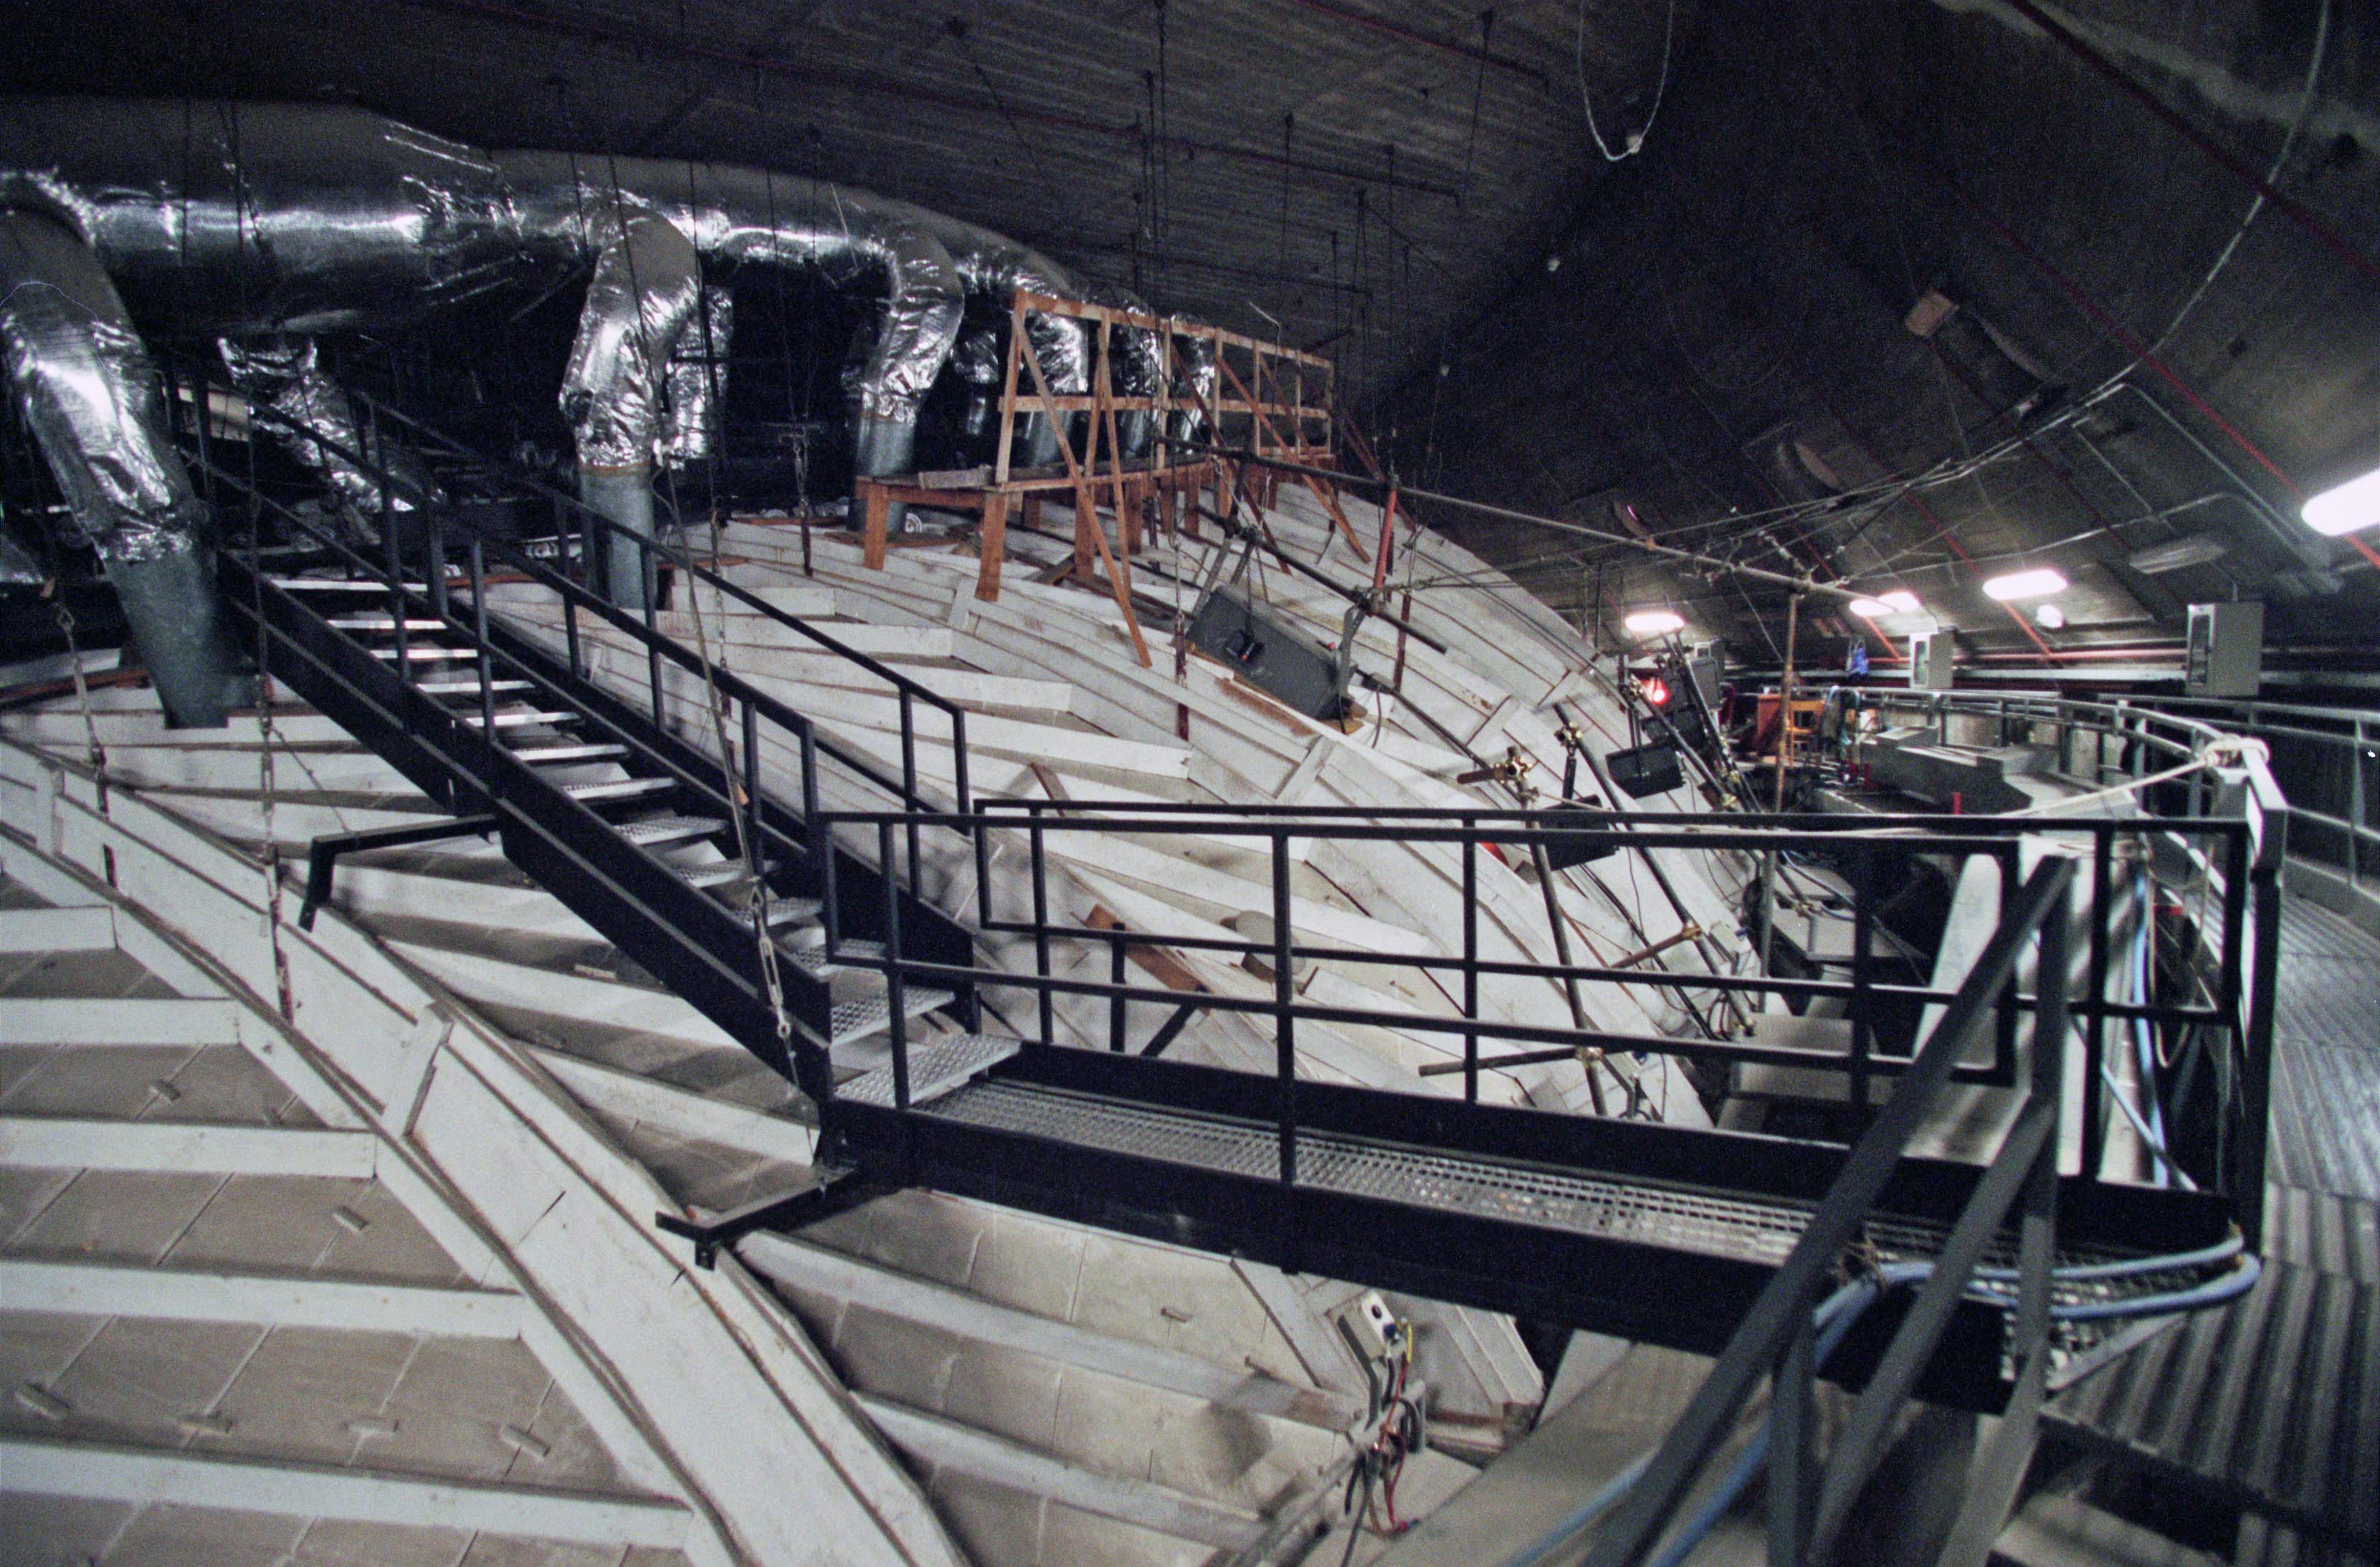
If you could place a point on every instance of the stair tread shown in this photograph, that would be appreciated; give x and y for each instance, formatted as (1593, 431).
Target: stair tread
(381, 622)
(340, 585)
(619, 788)
(863, 1015)
(468, 687)
(934, 1068)
(671, 829)
(592, 751)
(522, 717)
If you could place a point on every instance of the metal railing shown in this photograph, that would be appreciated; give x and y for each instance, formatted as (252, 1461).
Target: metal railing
(1780, 1342)
(1869, 844)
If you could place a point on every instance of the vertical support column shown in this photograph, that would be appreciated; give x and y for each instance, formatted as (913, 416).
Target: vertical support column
(2094, 1004)
(876, 512)
(1284, 996)
(1471, 957)
(991, 545)
(1790, 1451)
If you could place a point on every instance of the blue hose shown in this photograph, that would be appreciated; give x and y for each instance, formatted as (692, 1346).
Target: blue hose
(1840, 1311)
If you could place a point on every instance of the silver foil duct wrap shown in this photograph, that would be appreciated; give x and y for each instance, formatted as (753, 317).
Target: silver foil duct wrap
(694, 418)
(302, 410)
(646, 287)
(91, 395)
(1193, 387)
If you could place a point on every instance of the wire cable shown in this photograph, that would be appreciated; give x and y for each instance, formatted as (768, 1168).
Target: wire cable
(1635, 139)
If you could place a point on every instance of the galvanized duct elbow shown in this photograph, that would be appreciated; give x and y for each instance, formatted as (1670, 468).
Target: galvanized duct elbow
(96, 409)
(315, 424)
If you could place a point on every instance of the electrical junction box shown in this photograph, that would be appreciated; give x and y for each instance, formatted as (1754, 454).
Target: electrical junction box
(1374, 1328)
(1703, 667)
(1929, 659)
(1271, 653)
(2226, 649)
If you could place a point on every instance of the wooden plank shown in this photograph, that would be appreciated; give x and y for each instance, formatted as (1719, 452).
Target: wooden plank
(946, 1444)
(86, 929)
(79, 1020)
(879, 512)
(100, 1472)
(991, 546)
(65, 1142)
(171, 1294)
(822, 1271)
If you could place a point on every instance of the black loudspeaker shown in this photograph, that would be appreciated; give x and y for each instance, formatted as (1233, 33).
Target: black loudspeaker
(1569, 849)
(1647, 770)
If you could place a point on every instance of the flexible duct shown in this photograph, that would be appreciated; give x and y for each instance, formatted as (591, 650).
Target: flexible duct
(96, 409)
(252, 219)
(316, 424)
(694, 415)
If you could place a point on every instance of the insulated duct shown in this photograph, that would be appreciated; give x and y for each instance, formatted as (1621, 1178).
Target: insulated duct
(248, 220)
(96, 409)
(1135, 366)
(694, 414)
(317, 426)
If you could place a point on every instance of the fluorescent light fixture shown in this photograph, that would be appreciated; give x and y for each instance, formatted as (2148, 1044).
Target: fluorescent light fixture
(1901, 600)
(2192, 549)
(2049, 617)
(2347, 509)
(1654, 622)
(2039, 583)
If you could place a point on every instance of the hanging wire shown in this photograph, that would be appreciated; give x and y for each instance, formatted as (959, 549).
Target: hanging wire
(1635, 140)
(1478, 90)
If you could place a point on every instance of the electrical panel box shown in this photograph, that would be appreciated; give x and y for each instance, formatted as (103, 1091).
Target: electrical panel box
(1273, 654)
(1704, 666)
(2226, 649)
(1929, 659)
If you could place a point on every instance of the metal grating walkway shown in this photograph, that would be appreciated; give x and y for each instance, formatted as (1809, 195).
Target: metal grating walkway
(2327, 1054)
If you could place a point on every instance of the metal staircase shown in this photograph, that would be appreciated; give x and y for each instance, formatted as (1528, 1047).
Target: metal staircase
(592, 795)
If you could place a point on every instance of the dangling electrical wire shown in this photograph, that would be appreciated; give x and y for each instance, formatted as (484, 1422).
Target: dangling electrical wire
(1636, 142)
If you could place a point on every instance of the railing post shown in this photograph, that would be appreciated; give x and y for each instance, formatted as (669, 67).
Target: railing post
(2246, 1185)
(1471, 958)
(479, 637)
(570, 636)
(1115, 1004)
(1791, 1394)
(388, 547)
(1040, 868)
(752, 792)
(1284, 997)
(2093, 1109)
(895, 1001)
(650, 581)
(911, 803)
(436, 564)
(1862, 995)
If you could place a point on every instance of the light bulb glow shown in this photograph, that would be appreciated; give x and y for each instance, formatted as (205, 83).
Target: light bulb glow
(1654, 622)
(2348, 508)
(2039, 583)
(1870, 607)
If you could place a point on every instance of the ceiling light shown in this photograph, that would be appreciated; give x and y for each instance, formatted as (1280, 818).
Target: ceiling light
(1901, 600)
(2351, 506)
(2191, 548)
(2049, 617)
(1654, 622)
(2039, 583)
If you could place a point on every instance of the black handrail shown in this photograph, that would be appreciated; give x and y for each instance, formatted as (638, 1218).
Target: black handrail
(1775, 1336)
(911, 689)
(2237, 1169)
